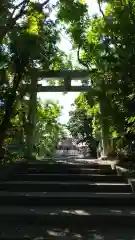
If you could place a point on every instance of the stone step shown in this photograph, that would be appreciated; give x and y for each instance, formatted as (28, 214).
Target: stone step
(31, 186)
(68, 177)
(40, 238)
(66, 199)
(70, 171)
(35, 233)
(60, 217)
(6, 237)
(63, 166)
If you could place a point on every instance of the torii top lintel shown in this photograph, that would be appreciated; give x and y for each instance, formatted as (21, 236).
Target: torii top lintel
(61, 74)
(66, 75)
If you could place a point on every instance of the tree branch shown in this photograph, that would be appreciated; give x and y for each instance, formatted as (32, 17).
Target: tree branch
(22, 11)
(100, 8)
(80, 60)
(131, 12)
(86, 65)
(45, 3)
(121, 3)
(24, 2)
(12, 21)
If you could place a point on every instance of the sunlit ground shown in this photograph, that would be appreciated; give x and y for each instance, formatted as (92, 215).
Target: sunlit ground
(40, 233)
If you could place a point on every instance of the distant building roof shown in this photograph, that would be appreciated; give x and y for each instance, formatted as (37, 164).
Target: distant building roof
(68, 142)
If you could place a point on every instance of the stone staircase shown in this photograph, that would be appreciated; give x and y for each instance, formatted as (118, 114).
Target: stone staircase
(66, 201)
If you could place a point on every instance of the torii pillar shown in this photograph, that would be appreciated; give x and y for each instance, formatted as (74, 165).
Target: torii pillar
(31, 130)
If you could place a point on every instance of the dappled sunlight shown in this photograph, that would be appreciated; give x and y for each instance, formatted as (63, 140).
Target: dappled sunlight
(113, 194)
(112, 211)
(58, 232)
(59, 211)
(44, 232)
(116, 211)
(132, 212)
(76, 212)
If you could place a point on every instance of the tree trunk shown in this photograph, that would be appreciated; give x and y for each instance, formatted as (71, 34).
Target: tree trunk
(4, 126)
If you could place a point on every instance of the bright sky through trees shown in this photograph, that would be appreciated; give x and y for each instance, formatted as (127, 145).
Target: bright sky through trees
(67, 100)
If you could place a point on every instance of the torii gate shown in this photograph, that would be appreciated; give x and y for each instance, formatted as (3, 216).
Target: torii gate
(34, 87)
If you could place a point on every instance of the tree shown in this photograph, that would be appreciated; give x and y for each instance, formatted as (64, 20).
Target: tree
(80, 125)
(28, 39)
(111, 41)
(106, 47)
(19, 53)
(48, 129)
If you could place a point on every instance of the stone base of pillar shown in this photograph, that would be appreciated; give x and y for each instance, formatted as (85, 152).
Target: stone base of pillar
(103, 158)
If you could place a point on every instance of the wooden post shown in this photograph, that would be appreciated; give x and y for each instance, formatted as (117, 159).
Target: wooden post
(31, 118)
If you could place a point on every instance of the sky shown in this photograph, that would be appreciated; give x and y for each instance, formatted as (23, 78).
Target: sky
(66, 100)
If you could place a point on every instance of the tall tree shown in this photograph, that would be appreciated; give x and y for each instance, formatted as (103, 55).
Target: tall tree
(106, 47)
(80, 125)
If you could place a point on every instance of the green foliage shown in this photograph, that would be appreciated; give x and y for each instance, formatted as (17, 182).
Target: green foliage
(71, 10)
(80, 124)
(107, 43)
(28, 38)
(48, 130)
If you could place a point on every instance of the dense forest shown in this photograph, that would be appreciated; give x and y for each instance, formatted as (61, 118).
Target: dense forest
(104, 45)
